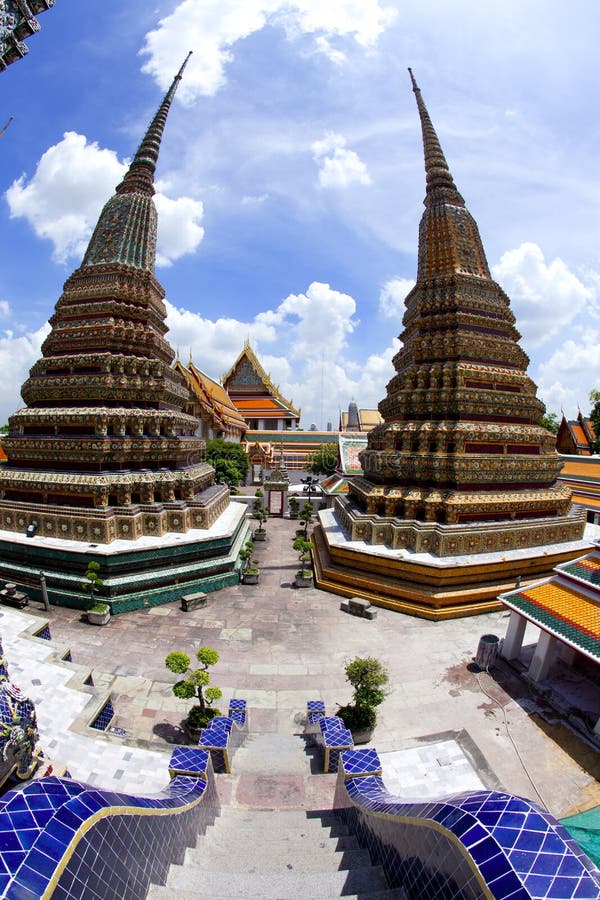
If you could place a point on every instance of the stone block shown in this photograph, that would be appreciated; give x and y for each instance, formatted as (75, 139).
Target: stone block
(193, 601)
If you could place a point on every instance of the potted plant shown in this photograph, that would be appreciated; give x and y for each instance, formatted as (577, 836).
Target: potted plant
(98, 613)
(306, 519)
(303, 575)
(250, 571)
(294, 507)
(261, 514)
(368, 678)
(195, 685)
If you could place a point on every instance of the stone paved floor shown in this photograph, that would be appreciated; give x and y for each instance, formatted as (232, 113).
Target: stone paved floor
(280, 646)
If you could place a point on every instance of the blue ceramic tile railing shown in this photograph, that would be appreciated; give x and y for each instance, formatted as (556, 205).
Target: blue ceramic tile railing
(67, 840)
(482, 844)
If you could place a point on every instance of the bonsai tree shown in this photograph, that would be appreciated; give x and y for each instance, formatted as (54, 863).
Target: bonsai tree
(306, 518)
(368, 678)
(92, 584)
(195, 684)
(302, 547)
(294, 507)
(245, 554)
(260, 512)
(230, 462)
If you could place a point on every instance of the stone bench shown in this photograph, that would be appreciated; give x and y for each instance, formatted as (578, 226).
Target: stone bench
(357, 606)
(193, 601)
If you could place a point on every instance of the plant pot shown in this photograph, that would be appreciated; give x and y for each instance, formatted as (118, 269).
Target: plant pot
(250, 577)
(362, 735)
(304, 581)
(98, 618)
(259, 535)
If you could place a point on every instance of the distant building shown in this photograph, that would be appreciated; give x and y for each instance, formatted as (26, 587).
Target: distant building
(217, 415)
(582, 475)
(17, 22)
(355, 419)
(576, 436)
(256, 397)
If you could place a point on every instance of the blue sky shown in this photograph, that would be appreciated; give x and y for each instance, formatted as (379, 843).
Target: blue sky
(291, 181)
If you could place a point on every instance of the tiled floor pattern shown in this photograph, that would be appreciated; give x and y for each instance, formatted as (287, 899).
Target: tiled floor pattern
(429, 772)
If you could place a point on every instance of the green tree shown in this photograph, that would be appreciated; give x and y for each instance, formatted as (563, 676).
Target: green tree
(368, 678)
(93, 581)
(302, 548)
(550, 422)
(324, 460)
(230, 462)
(595, 417)
(196, 684)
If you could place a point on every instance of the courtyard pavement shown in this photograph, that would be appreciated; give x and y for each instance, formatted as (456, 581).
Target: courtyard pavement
(280, 646)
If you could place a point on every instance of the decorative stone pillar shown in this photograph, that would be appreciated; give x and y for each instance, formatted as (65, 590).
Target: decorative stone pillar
(276, 489)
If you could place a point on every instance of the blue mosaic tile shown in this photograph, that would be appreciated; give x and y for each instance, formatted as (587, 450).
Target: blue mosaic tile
(188, 761)
(237, 704)
(104, 717)
(222, 722)
(214, 739)
(238, 716)
(315, 706)
(44, 633)
(363, 761)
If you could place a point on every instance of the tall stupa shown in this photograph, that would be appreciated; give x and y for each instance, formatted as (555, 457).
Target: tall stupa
(460, 479)
(104, 450)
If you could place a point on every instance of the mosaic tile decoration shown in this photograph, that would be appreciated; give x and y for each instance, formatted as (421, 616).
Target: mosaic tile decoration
(238, 716)
(44, 633)
(237, 704)
(315, 711)
(360, 762)
(188, 761)
(472, 845)
(104, 717)
(136, 838)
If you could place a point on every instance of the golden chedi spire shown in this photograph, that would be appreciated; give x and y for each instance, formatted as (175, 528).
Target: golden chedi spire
(461, 439)
(106, 425)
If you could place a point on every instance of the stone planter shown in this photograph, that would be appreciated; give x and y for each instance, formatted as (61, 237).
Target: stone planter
(250, 577)
(259, 535)
(304, 581)
(362, 735)
(99, 618)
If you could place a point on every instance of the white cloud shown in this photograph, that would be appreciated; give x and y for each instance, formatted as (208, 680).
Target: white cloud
(179, 231)
(544, 297)
(211, 28)
(17, 355)
(72, 181)
(571, 372)
(61, 202)
(338, 166)
(392, 297)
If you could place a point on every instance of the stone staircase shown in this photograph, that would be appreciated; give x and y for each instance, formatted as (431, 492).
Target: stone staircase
(278, 853)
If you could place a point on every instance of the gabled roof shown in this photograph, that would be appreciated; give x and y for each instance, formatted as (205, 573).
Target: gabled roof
(567, 606)
(578, 432)
(248, 354)
(212, 396)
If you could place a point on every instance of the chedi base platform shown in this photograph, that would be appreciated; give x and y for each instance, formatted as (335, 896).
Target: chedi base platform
(425, 585)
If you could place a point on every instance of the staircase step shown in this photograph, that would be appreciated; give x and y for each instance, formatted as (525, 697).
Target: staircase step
(186, 883)
(290, 856)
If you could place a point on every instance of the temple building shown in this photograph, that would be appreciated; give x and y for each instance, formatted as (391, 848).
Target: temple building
(460, 492)
(17, 22)
(576, 436)
(256, 397)
(359, 420)
(211, 405)
(104, 459)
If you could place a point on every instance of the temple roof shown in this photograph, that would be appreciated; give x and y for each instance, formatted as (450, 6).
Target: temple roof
(576, 435)
(567, 606)
(247, 376)
(212, 396)
(17, 22)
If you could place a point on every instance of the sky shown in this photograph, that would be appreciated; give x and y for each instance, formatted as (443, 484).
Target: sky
(290, 181)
